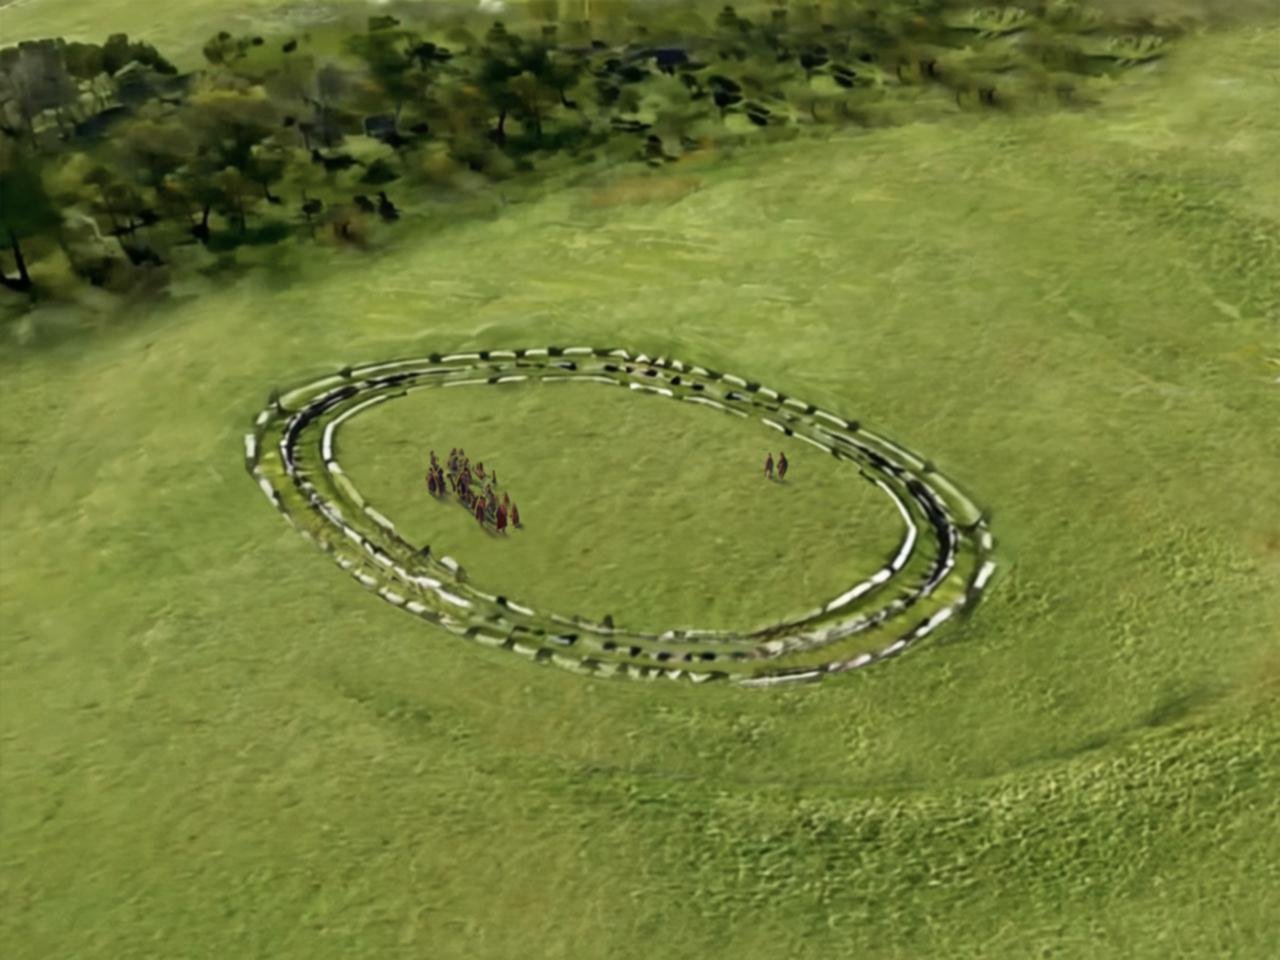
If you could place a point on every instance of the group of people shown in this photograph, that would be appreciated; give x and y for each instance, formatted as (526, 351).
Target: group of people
(782, 466)
(464, 483)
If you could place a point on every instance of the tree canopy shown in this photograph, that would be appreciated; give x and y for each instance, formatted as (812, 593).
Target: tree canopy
(276, 138)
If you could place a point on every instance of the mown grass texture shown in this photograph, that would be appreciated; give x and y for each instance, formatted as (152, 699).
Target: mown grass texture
(215, 744)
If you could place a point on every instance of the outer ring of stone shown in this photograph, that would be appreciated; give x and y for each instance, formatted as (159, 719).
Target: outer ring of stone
(309, 488)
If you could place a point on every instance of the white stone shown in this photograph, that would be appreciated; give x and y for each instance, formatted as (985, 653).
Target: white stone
(454, 599)
(379, 519)
(941, 617)
(821, 446)
(649, 389)
(848, 596)
(984, 574)
(326, 444)
(831, 417)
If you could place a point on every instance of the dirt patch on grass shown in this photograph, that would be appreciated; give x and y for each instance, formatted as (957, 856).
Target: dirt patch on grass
(627, 191)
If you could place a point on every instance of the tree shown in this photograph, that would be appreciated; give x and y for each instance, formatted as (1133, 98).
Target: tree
(235, 157)
(562, 73)
(493, 79)
(238, 195)
(230, 121)
(126, 210)
(196, 185)
(385, 52)
(532, 95)
(154, 149)
(266, 165)
(26, 211)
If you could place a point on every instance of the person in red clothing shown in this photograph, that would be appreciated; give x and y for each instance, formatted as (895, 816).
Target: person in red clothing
(768, 466)
(480, 511)
(782, 466)
(515, 515)
(502, 520)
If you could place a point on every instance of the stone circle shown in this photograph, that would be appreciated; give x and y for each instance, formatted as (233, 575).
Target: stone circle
(939, 571)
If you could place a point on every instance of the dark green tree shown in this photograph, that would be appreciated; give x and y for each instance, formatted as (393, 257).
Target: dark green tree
(386, 55)
(26, 212)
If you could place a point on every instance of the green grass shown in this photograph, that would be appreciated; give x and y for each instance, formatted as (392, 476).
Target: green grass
(215, 744)
(186, 25)
(618, 489)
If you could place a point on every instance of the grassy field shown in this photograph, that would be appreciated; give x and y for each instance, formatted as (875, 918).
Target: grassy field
(183, 25)
(659, 517)
(215, 745)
